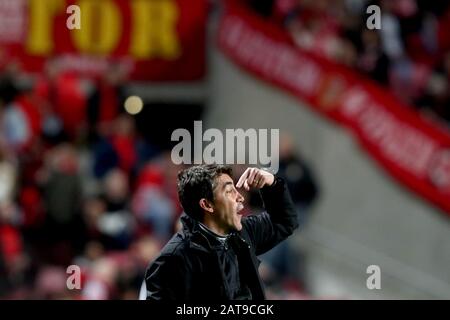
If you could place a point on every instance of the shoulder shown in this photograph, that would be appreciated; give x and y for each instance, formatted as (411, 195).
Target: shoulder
(254, 219)
(176, 247)
(177, 251)
(169, 260)
(253, 222)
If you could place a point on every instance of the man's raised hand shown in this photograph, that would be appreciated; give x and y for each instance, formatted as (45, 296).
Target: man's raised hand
(255, 178)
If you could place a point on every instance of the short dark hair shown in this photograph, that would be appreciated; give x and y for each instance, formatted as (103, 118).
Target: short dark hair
(198, 182)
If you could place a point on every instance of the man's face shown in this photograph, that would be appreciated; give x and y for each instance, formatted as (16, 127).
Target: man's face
(227, 204)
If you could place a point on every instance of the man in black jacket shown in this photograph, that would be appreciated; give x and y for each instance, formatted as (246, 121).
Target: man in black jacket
(214, 256)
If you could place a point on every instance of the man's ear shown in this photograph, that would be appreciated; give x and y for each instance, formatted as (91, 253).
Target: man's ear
(206, 205)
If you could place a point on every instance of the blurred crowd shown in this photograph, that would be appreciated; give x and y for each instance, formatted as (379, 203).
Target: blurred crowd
(80, 185)
(409, 54)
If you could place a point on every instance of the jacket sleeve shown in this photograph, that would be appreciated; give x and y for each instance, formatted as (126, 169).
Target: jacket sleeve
(167, 279)
(278, 222)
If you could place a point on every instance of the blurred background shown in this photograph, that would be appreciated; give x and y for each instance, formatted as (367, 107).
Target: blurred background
(86, 118)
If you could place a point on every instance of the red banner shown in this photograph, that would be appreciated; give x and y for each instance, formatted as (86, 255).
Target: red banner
(414, 151)
(156, 40)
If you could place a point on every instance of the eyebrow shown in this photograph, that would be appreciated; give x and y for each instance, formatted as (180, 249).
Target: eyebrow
(227, 184)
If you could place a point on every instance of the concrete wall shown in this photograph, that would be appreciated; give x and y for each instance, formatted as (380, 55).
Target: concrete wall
(363, 217)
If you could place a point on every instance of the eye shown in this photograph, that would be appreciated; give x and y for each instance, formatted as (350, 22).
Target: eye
(229, 190)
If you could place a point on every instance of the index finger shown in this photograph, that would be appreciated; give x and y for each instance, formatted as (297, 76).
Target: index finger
(242, 178)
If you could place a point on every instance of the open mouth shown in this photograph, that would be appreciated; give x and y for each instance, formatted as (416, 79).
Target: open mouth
(240, 206)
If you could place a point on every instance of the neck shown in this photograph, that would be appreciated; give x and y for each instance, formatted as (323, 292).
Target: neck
(212, 226)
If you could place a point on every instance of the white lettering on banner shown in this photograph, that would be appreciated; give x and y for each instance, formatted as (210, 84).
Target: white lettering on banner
(353, 102)
(439, 170)
(91, 64)
(82, 63)
(402, 144)
(277, 61)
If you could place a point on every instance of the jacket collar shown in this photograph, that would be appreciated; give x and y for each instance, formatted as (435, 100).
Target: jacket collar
(201, 238)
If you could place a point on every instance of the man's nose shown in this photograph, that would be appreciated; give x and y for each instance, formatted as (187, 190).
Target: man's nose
(240, 198)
